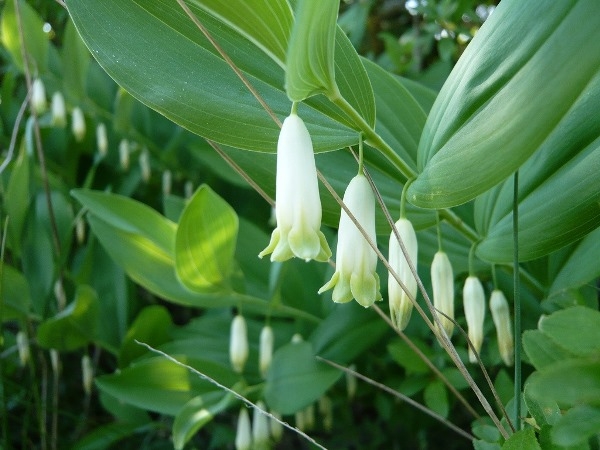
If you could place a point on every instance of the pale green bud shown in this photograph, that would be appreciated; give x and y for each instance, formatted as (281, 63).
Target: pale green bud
(144, 162)
(87, 374)
(38, 96)
(442, 282)
(309, 417)
(351, 382)
(59, 111)
(59, 293)
(400, 304)
(55, 361)
(78, 124)
(80, 230)
(260, 428)
(167, 182)
(243, 436)
(300, 420)
(124, 154)
(101, 140)
(298, 208)
(276, 427)
(474, 305)
(188, 189)
(265, 350)
(356, 262)
(502, 321)
(326, 411)
(238, 344)
(297, 338)
(23, 348)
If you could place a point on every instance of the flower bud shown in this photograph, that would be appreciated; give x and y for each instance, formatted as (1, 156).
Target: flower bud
(101, 140)
(474, 305)
(124, 154)
(400, 303)
(351, 382)
(144, 161)
(167, 182)
(188, 189)
(238, 343)
(260, 427)
(243, 437)
(59, 111)
(55, 361)
(276, 427)
(442, 282)
(59, 293)
(298, 205)
(23, 348)
(265, 350)
(297, 338)
(309, 417)
(299, 419)
(38, 96)
(80, 230)
(78, 124)
(355, 275)
(87, 374)
(326, 411)
(502, 321)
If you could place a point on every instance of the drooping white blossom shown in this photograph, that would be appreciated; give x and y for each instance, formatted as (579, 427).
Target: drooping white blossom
(502, 321)
(243, 436)
(38, 96)
(442, 282)
(265, 349)
(78, 124)
(238, 343)
(59, 111)
(474, 305)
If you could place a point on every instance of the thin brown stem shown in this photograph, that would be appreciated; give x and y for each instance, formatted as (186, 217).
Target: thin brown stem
(401, 396)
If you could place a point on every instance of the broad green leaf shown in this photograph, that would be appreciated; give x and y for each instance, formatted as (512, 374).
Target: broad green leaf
(207, 98)
(36, 41)
(196, 413)
(576, 329)
(123, 412)
(568, 383)
(76, 59)
(544, 410)
(483, 445)
(309, 64)
(505, 97)
(484, 428)
(106, 436)
(159, 385)
(577, 425)
(296, 379)
(14, 293)
(151, 326)
(547, 442)
(542, 350)
(16, 200)
(522, 440)
(407, 358)
(436, 398)
(205, 241)
(75, 326)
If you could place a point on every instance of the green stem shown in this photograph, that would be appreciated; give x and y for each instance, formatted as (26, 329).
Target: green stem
(439, 231)
(361, 160)
(517, 300)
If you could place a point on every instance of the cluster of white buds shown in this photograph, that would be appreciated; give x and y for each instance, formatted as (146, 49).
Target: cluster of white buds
(298, 208)
(265, 349)
(101, 140)
(38, 97)
(502, 321)
(442, 282)
(400, 304)
(356, 261)
(59, 110)
(474, 305)
(124, 154)
(238, 343)
(78, 124)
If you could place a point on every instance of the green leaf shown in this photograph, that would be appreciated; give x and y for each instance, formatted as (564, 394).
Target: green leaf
(76, 60)
(205, 241)
(436, 398)
(296, 379)
(17, 199)
(208, 87)
(105, 436)
(196, 413)
(14, 291)
(544, 410)
(309, 64)
(542, 350)
(75, 326)
(547, 443)
(577, 329)
(522, 440)
(159, 385)
(36, 41)
(500, 106)
(577, 426)
(407, 358)
(151, 326)
(569, 382)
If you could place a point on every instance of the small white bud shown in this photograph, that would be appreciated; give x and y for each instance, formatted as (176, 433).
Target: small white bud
(260, 427)
(78, 124)
(474, 305)
(188, 189)
(276, 427)
(80, 229)
(23, 348)
(38, 96)
(265, 350)
(502, 321)
(87, 372)
(309, 416)
(297, 338)
(442, 282)
(351, 383)
(55, 361)
(124, 154)
(59, 111)
(238, 344)
(144, 161)
(326, 411)
(102, 140)
(167, 182)
(300, 420)
(59, 293)
(243, 437)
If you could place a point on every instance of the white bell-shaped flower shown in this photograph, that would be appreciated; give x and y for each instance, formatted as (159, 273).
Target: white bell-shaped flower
(238, 343)
(442, 282)
(243, 436)
(298, 205)
(59, 111)
(124, 154)
(355, 275)
(260, 427)
(87, 374)
(78, 124)
(474, 304)
(265, 349)
(102, 139)
(502, 321)
(400, 304)
(38, 96)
